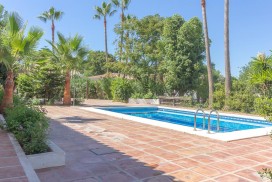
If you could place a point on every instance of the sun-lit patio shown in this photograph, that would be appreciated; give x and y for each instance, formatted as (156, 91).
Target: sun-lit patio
(103, 148)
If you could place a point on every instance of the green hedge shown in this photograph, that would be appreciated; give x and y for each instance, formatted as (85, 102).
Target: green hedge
(121, 90)
(29, 125)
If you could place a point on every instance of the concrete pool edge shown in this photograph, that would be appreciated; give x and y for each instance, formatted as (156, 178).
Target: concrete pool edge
(230, 136)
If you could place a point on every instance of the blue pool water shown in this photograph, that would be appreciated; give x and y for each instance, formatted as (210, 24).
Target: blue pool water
(186, 118)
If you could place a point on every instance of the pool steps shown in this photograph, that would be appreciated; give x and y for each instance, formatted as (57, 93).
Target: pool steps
(209, 120)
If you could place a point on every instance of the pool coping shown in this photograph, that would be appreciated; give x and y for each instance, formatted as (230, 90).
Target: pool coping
(230, 136)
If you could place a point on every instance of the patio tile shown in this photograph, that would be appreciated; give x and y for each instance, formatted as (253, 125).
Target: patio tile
(267, 154)
(188, 176)
(220, 155)
(171, 147)
(185, 145)
(257, 157)
(135, 153)
(168, 167)
(261, 167)
(242, 161)
(249, 174)
(169, 156)
(16, 179)
(187, 163)
(225, 166)
(8, 153)
(103, 150)
(151, 160)
(120, 177)
(114, 156)
(148, 153)
(9, 161)
(207, 171)
(230, 178)
(127, 163)
(92, 179)
(160, 178)
(10, 172)
(143, 172)
(204, 159)
(6, 147)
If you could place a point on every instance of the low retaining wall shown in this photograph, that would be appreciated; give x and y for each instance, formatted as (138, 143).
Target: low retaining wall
(39, 161)
(49, 159)
(144, 101)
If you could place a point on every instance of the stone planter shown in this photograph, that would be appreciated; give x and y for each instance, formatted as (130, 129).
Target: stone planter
(44, 160)
(144, 101)
(49, 159)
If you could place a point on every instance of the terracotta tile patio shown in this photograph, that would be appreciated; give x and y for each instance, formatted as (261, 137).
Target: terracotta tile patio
(102, 148)
(10, 166)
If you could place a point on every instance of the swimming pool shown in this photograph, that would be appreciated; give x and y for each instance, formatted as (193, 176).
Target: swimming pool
(231, 127)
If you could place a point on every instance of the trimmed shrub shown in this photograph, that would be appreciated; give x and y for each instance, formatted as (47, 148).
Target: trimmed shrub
(121, 89)
(29, 125)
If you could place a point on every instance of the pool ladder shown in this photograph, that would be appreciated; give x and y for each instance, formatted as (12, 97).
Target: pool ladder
(209, 120)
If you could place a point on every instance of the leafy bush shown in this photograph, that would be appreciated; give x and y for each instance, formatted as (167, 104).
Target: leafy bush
(29, 125)
(121, 89)
(137, 95)
(105, 84)
(35, 101)
(219, 96)
(92, 90)
(263, 106)
(242, 97)
(16, 99)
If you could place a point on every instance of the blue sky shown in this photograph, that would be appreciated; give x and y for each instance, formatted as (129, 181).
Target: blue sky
(250, 23)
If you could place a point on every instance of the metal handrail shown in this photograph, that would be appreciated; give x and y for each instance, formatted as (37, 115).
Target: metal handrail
(209, 121)
(203, 118)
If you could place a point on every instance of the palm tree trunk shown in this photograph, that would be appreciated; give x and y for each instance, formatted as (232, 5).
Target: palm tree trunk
(53, 34)
(227, 54)
(8, 92)
(106, 41)
(208, 57)
(67, 89)
(122, 32)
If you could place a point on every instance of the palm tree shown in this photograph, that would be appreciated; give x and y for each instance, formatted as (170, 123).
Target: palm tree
(15, 46)
(103, 12)
(123, 4)
(70, 52)
(227, 53)
(261, 73)
(51, 15)
(208, 57)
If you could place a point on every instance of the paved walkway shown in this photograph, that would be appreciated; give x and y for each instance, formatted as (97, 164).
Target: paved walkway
(10, 166)
(106, 149)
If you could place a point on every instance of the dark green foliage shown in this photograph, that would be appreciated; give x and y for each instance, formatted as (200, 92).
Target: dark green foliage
(29, 125)
(263, 106)
(219, 96)
(121, 90)
(45, 82)
(3, 71)
(184, 54)
(26, 86)
(242, 97)
(105, 84)
(79, 86)
(95, 64)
